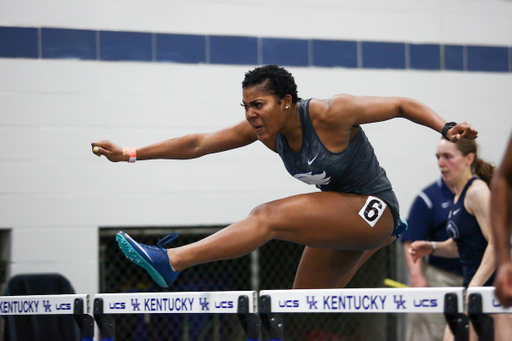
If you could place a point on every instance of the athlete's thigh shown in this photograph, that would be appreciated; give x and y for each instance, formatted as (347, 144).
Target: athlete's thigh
(328, 220)
(325, 268)
(330, 268)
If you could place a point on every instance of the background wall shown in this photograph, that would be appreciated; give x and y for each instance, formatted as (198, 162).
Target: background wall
(55, 194)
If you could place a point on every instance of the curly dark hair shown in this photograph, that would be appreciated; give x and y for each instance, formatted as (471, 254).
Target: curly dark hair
(276, 80)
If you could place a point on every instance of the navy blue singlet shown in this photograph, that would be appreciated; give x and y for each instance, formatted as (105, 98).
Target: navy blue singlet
(355, 170)
(465, 231)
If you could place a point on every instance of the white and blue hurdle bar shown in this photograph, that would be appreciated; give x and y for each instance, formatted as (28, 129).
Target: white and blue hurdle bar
(76, 305)
(255, 311)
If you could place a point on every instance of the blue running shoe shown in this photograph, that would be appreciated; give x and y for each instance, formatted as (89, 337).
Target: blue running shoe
(153, 259)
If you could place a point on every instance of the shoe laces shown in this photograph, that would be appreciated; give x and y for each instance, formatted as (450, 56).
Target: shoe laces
(166, 240)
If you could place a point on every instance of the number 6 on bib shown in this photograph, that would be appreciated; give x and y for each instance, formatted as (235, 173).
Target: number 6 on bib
(372, 210)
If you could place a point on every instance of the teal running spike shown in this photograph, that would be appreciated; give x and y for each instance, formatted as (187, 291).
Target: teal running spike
(153, 259)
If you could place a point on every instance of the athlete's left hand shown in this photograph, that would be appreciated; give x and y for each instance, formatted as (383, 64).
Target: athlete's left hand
(462, 130)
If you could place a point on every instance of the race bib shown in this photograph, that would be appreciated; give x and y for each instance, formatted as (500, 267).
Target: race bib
(372, 210)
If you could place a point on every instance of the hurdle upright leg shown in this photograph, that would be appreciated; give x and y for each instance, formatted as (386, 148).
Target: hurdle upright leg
(85, 322)
(250, 322)
(273, 323)
(458, 322)
(483, 323)
(105, 322)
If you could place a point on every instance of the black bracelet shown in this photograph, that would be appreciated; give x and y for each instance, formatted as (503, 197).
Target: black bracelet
(447, 126)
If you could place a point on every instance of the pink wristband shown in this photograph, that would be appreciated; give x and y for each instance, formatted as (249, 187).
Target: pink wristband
(130, 154)
(133, 155)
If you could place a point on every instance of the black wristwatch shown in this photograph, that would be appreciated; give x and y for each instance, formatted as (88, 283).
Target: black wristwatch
(447, 126)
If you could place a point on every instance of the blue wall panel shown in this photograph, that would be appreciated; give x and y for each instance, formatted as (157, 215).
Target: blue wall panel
(331, 53)
(233, 50)
(286, 52)
(64, 43)
(454, 57)
(180, 48)
(488, 58)
(425, 56)
(377, 55)
(132, 46)
(19, 42)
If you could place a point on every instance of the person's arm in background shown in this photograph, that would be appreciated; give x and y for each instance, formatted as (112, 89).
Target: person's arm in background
(419, 224)
(501, 211)
(422, 248)
(416, 278)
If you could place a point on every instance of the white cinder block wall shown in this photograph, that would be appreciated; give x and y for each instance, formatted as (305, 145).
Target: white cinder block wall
(55, 194)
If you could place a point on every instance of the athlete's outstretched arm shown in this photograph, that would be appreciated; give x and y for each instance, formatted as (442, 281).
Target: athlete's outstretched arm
(369, 109)
(501, 222)
(184, 147)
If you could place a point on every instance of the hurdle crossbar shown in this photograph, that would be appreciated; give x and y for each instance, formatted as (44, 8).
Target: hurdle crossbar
(42, 304)
(243, 303)
(225, 302)
(73, 304)
(382, 300)
(256, 310)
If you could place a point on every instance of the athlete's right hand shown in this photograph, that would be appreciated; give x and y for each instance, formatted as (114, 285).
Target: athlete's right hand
(108, 149)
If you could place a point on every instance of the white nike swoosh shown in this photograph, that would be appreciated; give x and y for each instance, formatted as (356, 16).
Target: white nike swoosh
(140, 247)
(456, 211)
(446, 204)
(313, 160)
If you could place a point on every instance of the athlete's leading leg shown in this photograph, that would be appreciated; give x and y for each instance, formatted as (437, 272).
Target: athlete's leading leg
(324, 220)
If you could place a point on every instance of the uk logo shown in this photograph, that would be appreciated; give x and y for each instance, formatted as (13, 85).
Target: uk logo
(399, 301)
(312, 302)
(135, 304)
(203, 301)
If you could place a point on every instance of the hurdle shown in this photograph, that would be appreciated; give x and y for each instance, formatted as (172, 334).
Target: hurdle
(76, 305)
(256, 312)
(448, 301)
(481, 303)
(242, 303)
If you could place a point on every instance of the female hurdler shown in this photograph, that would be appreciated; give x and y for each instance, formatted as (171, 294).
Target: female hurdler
(321, 142)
